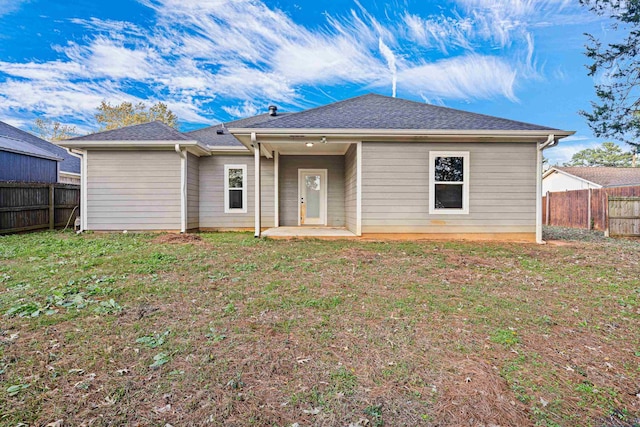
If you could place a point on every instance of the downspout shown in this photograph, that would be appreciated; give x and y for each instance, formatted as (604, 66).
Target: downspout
(83, 187)
(551, 141)
(183, 188)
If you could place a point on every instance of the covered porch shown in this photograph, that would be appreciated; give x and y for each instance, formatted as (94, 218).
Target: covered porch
(316, 186)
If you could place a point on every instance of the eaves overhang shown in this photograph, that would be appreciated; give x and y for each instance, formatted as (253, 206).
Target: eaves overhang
(191, 146)
(298, 135)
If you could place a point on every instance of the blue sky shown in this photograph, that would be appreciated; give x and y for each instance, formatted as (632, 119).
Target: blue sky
(218, 60)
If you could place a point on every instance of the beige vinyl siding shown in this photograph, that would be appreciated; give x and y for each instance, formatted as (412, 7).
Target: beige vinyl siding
(212, 213)
(133, 190)
(395, 191)
(289, 166)
(350, 188)
(193, 191)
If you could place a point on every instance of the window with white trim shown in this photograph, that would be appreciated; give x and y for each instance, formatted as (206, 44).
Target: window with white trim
(449, 182)
(235, 188)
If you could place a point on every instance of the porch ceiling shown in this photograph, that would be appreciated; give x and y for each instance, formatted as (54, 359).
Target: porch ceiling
(301, 147)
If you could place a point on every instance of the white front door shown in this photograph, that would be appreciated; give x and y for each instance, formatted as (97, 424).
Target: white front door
(312, 197)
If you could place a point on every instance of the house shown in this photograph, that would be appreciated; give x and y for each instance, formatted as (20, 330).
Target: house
(367, 166)
(23, 162)
(583, 177)
(69, 172)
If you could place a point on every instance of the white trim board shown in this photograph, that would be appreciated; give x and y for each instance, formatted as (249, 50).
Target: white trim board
(323, 193)
(465, 183)
(245, 188)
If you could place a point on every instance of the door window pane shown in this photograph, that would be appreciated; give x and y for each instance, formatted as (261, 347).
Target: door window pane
(312, 183)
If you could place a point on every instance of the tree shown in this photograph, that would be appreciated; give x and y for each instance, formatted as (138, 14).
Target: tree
(609, 154)
(53, 131)
(126, 114)
(617, 114)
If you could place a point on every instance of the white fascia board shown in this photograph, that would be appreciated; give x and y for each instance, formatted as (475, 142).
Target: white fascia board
(192, 146)
(297, 136)
(359, 133)
(73, 174)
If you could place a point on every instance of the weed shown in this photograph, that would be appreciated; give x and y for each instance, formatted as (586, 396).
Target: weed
(14, 390)
(153, 341)
(506, 337)
(375, 412)
(214, 336)
(159, 360)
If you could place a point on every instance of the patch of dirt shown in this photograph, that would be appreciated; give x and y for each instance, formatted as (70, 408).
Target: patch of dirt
(472, 393)
(361, 255)
(178, 239)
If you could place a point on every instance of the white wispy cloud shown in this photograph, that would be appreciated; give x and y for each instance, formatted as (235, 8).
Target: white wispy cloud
(10, 6)
(247, 109)
(225, 57)
(464, 78)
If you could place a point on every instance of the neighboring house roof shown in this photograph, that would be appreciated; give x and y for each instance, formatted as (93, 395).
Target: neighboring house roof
(374, 111)
(69, 163)
(152, 131)
(210, 135)
(604, 176)
(21, 147)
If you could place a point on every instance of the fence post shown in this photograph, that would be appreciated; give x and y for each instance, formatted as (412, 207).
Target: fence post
(589, 210)
(52, 207)
(548, 207)
(606, 215)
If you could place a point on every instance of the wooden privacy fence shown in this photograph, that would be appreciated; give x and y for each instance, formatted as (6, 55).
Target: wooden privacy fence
(28, 206)
(582, 208)
(624, 216)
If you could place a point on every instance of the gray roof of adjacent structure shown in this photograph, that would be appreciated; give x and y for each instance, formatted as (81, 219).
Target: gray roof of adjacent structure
(22, 147)
(374, 111)
(152, 131)
(605, 176)
(210, 136)
(69, 163)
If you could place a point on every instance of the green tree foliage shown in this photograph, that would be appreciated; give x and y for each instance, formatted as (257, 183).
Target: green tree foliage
(52, 131)
(126, 114)
(609, 154)
(617, 113)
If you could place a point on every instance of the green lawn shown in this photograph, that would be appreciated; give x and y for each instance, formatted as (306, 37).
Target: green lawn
(225, 329)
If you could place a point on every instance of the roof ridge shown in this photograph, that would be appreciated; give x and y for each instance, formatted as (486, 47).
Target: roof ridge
(154, 122)
(320, 107)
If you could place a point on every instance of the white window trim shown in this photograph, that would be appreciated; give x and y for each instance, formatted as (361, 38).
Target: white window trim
(465, 183)
(226, 189)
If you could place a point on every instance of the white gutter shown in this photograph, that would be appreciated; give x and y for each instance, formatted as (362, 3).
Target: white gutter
(551, 140)
(183, 188)
(83, 186)
(397, 132)
(193, 146)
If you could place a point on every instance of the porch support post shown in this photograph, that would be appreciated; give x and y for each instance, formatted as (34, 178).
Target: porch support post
(276, 191)
(256, 170)
(359, 188)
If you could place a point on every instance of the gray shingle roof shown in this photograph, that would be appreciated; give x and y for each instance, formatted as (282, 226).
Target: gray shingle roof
(605, 176)
(23, 147)
(70, 163)
(374, 111)
(209, 135)
(152, 131)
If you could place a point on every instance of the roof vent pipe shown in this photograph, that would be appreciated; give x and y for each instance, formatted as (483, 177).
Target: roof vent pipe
(272, 110)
